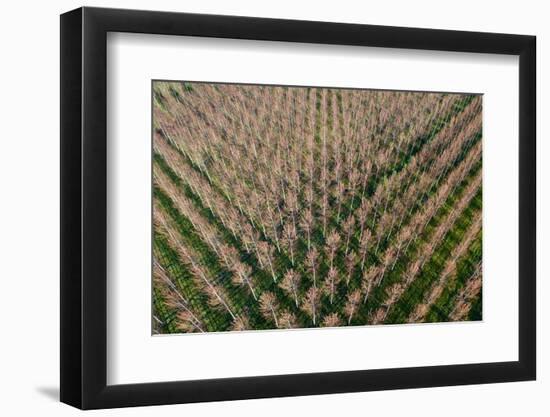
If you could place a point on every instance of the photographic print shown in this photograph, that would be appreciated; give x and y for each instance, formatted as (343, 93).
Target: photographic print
(281, 207)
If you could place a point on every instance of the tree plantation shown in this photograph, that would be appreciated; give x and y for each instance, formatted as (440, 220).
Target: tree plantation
(296, 207)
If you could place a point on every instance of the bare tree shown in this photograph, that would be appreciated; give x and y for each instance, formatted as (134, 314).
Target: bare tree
(243, 276)
(311, 260)
(266, 251)
(291, 204)
(364, 247)
(289, 239)
(348, 227)
(353, 302)
(331, 283)
(291, 284)
(287, 320)
(269, 306)
(332, 320)
(369, 279)
(392, 293)
(361, 215)
(311, 303)
(306, 224)
(350, 262)
(332, 243)
(240, 323)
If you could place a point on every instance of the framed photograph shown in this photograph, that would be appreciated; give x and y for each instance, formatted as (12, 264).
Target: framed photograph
(257, 208)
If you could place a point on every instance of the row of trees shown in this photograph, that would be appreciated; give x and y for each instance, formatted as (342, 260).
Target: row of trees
(413, 229)
(427, 248)
(266, 173)
(467, 295)
(449, 271)
(188, 319)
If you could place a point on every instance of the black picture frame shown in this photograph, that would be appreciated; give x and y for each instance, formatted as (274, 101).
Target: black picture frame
(84, 207)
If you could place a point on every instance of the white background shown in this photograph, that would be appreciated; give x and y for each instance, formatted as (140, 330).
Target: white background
(129, 74)
(29, 220)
